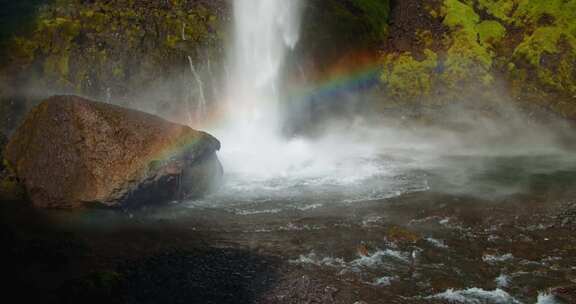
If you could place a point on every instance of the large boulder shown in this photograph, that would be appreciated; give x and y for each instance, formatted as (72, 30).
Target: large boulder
(71, 152)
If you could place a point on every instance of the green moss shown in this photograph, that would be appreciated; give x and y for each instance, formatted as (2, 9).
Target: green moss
(171, 41)
(490, 31)
(407, 78)
(501, 9)
(548, 45)
(426, 38)
(87, 47)
(533, 41)
(467, 58)
(543, 40)
(552, 20)
(458, 14)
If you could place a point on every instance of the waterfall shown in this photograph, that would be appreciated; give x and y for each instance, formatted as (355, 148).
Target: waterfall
(264, 31)
(255, 155)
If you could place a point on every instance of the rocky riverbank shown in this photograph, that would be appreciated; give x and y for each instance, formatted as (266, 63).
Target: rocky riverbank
(417, 248)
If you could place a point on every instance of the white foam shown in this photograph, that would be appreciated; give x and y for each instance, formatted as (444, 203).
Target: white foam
(502, 281)
(476, 296)
(377, 258)
(384, 281)
(546, 298)
(437, 243)
(309, 207)
(300, 227)
(495, 258)
(254, 212)
(313, 258)
(372, 261)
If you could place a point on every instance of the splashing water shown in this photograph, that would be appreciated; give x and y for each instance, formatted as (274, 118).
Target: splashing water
(255, 155)
(254, 151)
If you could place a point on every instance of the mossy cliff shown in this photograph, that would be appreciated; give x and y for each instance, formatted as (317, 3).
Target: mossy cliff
(432, 53)
(438, 50)
(107, 49)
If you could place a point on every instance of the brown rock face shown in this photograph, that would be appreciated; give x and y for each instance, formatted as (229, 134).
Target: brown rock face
(72, 152)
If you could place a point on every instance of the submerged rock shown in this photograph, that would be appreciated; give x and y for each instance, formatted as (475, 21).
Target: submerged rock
(72, 152)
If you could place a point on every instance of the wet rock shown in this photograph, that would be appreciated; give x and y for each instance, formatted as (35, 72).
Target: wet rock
(363, 250)
(71, 152)
(566, 294)
(402, 235)
(302, 289)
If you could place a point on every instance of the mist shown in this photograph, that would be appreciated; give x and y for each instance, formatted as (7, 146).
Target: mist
(282, 145)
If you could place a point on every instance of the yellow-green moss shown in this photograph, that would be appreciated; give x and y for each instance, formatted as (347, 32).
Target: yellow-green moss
(459, 14)
(558, 18)
(534, 41)
(467, 58)
(86, 47)
(425, 37)
(490, 31)
(500, 9)
(543, 40)
(553, 35)
(406, 77)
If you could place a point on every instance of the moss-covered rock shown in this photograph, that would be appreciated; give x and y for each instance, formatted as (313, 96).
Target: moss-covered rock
(112, 49)
(465, 44)
(409, 79)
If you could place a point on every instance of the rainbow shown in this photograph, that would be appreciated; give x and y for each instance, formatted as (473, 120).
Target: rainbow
(355, 71)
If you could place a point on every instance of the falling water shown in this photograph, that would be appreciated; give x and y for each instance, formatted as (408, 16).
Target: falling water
(265, 30)
(201, 98)
(259, 161)
(200, 110)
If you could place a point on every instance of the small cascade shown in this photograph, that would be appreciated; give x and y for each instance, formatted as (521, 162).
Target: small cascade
(201, 103)
(196, 91)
